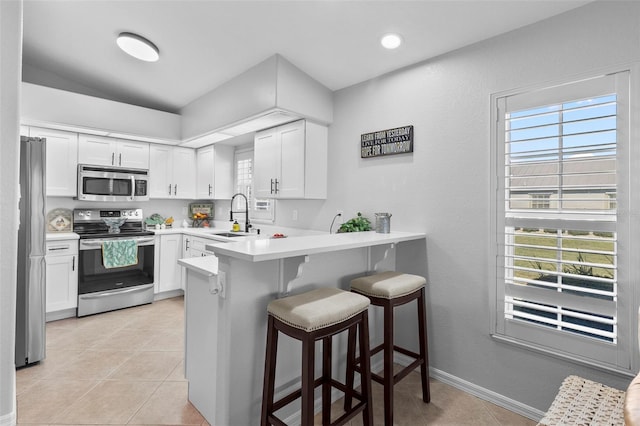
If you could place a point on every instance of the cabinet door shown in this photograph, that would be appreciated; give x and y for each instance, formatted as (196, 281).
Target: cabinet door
(62, 283)
(184, 173)
(205, 172)
(98, 150)
(170, 272)
(62, 161)
(160, 172)
(292, 164)
(266, 166)
(133, 154)
(223, 172)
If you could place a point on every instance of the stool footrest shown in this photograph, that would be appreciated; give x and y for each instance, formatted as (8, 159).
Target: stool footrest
(402, 373)
(293, 396)
(287, 399)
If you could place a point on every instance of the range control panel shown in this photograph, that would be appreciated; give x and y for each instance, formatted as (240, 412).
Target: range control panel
(93, 215)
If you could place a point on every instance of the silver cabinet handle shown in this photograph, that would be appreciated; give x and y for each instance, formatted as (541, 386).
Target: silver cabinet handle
(58, 248)
(169, 189)
(119, 159)
(73, 264)
(209, 189)
(186, 246)
(271, 191)
(175, 189)
(276, 186)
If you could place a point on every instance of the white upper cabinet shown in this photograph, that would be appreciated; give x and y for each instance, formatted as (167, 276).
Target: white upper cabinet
(104, 151)
(290, 161)
(215, 172)
(172, 172)
(62, 161)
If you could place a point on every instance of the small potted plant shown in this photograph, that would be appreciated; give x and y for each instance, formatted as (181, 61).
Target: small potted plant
(357, 224)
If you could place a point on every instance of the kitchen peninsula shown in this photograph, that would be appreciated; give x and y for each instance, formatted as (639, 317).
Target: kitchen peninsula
(226, 301)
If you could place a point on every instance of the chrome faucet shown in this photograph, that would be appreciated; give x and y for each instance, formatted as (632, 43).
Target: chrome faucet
(247, 225)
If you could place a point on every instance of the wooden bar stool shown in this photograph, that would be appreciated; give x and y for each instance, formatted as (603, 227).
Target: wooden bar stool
(391, 289)
(317, 315)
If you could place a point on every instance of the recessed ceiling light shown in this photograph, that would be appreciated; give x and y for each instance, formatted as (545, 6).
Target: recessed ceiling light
(138, 47)
(391, 41)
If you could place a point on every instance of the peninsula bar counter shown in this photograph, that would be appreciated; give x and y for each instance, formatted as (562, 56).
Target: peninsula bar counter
(226, 300)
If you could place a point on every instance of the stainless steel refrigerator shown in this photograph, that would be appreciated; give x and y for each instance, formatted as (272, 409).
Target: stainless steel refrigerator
(30, 306)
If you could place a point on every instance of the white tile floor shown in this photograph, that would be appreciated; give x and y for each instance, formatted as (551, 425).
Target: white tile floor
(126, 367)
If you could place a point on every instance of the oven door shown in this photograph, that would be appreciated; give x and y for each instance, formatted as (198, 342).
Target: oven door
(103, 289)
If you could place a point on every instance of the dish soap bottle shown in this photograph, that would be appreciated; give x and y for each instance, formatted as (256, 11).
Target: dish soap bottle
(236, 226)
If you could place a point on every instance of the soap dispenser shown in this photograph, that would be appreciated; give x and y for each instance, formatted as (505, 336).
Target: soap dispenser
(236, 226)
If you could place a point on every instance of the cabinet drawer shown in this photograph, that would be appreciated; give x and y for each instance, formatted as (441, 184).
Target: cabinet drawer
(62, 248)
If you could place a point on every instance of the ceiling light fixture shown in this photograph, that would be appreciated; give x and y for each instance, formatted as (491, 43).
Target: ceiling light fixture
(391, 41)
(138, 47)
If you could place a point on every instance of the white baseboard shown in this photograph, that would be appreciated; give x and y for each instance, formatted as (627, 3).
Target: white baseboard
(8, 419)
(58, 315)
(167, 294)
(441, 376)
(480, 392)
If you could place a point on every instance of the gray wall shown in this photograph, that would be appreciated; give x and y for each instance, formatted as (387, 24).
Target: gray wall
(443, 188)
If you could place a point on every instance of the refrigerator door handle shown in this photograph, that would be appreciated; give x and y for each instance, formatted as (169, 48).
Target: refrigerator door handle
(73, 264)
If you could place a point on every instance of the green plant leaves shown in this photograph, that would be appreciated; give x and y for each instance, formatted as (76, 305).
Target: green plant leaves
(357, 224)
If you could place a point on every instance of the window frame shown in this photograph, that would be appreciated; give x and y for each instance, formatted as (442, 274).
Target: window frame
(622, 357)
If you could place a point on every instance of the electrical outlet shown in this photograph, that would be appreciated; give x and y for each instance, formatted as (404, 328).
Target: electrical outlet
(295, 215)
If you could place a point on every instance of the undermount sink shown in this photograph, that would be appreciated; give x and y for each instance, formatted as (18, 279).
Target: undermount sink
(228, 234)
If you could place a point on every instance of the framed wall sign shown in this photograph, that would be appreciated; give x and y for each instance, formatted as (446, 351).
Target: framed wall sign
(398, 140)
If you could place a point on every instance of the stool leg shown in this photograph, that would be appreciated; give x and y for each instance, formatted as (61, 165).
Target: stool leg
(351, 361)
(308, 373)
(269, 372)
(388, 363)
(326, 380)
(365, 371)
(424, 348)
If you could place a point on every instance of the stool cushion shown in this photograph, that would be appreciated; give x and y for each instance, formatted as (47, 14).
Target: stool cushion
(388, 285)
(318, 308)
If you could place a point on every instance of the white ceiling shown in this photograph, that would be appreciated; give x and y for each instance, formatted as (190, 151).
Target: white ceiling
(70, 44)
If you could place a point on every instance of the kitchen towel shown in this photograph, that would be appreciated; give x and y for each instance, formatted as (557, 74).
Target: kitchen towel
(119, 253)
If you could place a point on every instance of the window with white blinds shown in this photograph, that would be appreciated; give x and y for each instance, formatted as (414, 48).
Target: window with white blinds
(557, 235)
(243, 177)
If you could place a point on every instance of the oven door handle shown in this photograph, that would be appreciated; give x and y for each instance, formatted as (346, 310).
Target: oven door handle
(113, 293)
(133, 185)
(88, 245)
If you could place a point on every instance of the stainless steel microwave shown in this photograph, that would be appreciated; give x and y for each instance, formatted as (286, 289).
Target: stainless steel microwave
(100, 183)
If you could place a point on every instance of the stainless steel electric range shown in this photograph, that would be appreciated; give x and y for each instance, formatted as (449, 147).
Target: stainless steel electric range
(105, 288)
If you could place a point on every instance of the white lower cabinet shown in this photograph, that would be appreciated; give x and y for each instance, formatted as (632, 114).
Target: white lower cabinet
(62, 277)
(169, 272)
(195, 247)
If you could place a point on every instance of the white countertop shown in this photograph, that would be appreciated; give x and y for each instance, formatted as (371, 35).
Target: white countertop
(261, 249)
(205, 265)
(60, 236)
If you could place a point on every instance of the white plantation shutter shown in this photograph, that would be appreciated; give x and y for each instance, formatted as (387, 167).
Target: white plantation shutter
(560, 157)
